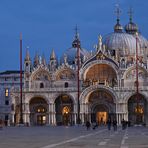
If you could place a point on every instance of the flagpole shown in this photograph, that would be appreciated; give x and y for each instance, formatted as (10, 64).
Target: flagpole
(21, 103)
(137, 81)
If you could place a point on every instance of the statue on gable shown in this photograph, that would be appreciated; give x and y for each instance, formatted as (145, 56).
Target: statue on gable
(100, 42)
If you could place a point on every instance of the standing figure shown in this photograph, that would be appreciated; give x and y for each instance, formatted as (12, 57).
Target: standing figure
(115, 124)
(123, 124)
(109, 123)
(87, 125)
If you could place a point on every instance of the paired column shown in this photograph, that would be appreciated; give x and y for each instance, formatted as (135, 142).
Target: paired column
(51, 114)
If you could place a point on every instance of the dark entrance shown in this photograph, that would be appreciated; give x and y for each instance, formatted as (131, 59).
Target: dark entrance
(64, 110)
(41, 119)
(101, 114)
(102, 106)
(137, 109)
(38, 111)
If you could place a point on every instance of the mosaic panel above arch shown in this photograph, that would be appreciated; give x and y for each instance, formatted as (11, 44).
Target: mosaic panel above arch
(65, 74)
(131, 74)
(41, 75)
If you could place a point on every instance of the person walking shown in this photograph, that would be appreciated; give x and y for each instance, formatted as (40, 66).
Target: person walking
(115, 124)
(87, 125)
(123, 124)
(109, 124)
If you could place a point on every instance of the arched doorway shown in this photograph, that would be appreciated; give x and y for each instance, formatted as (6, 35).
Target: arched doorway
(102, 106)
(64, 110)
(38, 111)
(101, 113)
(137, 109)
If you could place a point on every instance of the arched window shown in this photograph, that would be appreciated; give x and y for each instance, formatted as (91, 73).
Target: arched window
(41, 85)
(66, 84)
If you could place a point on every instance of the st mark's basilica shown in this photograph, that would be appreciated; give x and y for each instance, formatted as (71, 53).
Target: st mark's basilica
(94, 85)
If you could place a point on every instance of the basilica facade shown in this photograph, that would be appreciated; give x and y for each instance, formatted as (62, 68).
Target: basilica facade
(99, 84)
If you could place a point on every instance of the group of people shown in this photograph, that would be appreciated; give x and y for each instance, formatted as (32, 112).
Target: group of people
(88, 125)
(109, 123)
(114, 123)
(125, 124)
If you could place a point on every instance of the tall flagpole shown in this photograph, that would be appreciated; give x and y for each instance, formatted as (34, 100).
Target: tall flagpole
(78, 83)
(137, 81)
(21, 103)
(76, 44)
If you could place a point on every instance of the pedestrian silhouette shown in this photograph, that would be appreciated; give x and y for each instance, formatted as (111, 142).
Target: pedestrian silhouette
(109, 123)
(115, 124)
(87, 125)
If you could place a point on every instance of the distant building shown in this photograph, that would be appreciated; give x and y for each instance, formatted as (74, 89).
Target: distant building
(107, 83)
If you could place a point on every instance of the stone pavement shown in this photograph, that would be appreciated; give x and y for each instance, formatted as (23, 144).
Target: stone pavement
(73, 137)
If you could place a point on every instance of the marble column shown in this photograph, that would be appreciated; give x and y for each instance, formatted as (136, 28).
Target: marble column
(49, 113)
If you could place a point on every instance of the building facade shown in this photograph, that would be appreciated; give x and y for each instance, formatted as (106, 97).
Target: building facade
(107, 78)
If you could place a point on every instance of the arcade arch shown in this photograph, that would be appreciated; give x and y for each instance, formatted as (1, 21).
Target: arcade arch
(38, 111)
(137, 109)
(101, 106)
(64, 110)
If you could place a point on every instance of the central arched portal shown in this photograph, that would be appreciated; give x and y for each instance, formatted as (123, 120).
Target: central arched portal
(101, 106)
(101, 113)
(38, 111)
(64, 110)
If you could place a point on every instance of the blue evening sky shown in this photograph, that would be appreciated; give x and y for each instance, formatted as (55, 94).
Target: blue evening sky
(49, 24)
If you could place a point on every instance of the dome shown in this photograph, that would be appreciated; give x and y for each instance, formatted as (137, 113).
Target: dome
(123, 42)
(118, 27)
(71, 54)
(143, 45)
(126, 43)
(143, 41)
(131, 28)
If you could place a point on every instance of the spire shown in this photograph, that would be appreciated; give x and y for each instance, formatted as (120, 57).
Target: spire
(43, 60)
(76, 43)
(118, 12)
(118, 27)
(36, 60)
(52, 56)
(130, 12)
(27, 58)
(76, 33)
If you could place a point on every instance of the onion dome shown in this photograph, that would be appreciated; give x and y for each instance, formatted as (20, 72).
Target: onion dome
(118, 27)
(123, 42)
(131, 27)
(71, 53)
